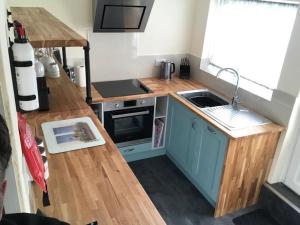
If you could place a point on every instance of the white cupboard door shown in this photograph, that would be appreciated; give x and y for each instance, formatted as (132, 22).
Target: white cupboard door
(293, 175)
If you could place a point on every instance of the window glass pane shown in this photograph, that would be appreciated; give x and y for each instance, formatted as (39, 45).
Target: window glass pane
(252, 37)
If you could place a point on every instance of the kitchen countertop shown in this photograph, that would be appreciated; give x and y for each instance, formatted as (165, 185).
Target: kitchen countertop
(159, 88)
(44, 30)
(170, 87)
(89, 184)
(96, 183)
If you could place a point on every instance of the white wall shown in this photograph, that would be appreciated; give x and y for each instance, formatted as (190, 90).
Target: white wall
(169, 28)
(289, 163)
(199, 26)
(11, 201)
(119, 60)
(9, 110)
(1, 104)
(121, 55)
(290, 76)
(289, 83)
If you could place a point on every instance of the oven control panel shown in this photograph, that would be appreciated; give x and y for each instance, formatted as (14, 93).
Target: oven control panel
(118, 105)
(130, 103)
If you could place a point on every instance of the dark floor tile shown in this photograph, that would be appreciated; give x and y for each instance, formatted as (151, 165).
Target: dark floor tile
(287, 193)
(257, 217)
(177, 200)
(278, 208)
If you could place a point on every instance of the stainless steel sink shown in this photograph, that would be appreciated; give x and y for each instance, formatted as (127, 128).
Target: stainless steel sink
(223, 112)
(203, 98)
(235, 118)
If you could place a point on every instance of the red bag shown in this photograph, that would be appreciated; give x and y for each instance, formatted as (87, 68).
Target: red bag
(31, 153)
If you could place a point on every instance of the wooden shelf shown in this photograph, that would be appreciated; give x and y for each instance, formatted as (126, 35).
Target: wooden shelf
(44, 30)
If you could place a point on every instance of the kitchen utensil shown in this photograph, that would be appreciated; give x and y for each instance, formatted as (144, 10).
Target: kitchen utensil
(38, 53)
(185, 69)
(167, 69)
(46, 60)
(53, 70)
(56, 54)
(72, 74)
(39, 68)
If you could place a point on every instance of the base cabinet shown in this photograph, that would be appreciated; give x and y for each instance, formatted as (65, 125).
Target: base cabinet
(197, 148)
(140, 151)
(229, 172)
(196, 139)
(180, 122)
(211, 160)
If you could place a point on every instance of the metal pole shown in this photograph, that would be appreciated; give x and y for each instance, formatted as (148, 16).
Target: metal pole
(88, 73)
(65, 64)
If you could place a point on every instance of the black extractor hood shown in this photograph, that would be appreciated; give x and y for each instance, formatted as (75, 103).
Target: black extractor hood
(121, 15)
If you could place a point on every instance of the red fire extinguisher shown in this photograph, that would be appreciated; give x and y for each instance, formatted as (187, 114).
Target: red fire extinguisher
(33, 157)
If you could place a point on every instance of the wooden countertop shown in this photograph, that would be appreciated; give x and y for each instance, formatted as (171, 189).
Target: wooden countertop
(157, 86)
(94, 183)
(44, 30)
(170, 87)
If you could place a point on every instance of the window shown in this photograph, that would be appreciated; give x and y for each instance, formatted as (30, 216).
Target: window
(250, 36)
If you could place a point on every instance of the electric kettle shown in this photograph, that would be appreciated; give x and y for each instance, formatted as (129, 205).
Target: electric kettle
(167, 69)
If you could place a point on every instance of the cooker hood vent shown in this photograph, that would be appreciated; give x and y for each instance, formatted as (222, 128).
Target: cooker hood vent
(121, 15)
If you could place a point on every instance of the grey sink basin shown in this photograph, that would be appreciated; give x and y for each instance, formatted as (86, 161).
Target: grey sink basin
(203, 98)
(221, 111)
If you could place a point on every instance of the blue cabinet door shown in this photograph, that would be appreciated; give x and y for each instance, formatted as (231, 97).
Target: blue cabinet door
(196, 136)
(179, 133)
(197, 148)
(211, 160)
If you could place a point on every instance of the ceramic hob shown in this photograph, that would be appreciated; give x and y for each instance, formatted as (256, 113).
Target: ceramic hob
(109, 89)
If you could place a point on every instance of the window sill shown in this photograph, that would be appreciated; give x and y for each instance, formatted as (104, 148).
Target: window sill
(244, 84)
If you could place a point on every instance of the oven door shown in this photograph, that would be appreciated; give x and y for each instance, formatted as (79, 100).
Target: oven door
(130, 126)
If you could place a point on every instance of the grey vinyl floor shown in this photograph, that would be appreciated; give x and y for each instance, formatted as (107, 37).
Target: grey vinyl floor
(177, 200)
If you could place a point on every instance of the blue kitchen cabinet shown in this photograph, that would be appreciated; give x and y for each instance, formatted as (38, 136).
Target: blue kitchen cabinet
(179, 133)
(140, 151)
(135, 149)
(197, 149)
(196, 136)
(211, 153)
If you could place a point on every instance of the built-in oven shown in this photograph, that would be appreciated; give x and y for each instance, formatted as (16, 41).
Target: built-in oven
(129, 122)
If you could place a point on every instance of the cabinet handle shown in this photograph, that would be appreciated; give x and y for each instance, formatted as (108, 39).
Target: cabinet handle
(129, 150)
(194, 123)
(211, 130)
